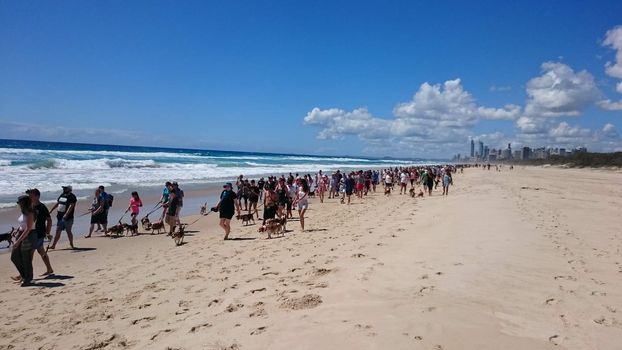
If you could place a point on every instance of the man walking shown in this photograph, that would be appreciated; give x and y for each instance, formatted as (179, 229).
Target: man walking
(65, 205)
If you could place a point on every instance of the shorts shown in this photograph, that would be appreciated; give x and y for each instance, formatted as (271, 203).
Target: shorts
(359, 187)
(303, 205)
(64, 225)
(38, 244)
(269, 212)
(289, 204)
(225, 214)
(99, 218)
(171, 220)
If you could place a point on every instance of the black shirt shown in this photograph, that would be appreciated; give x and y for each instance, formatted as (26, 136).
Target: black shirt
(227, 201)
(41, 215)
(254, 194)
(64, 201)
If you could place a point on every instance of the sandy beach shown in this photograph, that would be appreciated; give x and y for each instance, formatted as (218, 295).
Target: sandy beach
(522, 259)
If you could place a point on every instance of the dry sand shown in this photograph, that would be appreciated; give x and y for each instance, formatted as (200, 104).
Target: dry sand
(528, 259)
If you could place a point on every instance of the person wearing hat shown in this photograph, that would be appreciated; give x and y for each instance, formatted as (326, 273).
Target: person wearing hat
(65, 205)
(43, 227)
(226, 207)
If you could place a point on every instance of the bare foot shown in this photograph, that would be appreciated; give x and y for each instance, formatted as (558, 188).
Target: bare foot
(47, 273)
(16, 278)
(88, 236)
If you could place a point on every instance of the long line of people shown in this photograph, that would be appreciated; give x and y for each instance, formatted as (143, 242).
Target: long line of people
(279, 197)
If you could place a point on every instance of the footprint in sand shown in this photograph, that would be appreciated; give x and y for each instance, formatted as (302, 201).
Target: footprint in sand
(144, 319)
(551, 301)
(234, 307)
(258, 330)
(197, 328)
(164, 331)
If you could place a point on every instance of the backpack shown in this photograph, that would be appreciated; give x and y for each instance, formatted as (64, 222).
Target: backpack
(109, 200)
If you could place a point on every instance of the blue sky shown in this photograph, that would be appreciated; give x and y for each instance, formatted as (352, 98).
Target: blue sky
(323, 77)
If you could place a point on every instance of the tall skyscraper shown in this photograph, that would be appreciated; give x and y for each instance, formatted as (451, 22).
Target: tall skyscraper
(480, 145)
(472, 148)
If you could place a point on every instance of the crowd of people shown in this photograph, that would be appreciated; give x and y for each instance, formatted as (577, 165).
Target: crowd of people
(277, 198)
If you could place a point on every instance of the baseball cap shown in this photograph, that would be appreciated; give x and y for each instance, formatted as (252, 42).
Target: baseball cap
(68, 186)
(227, 184)
(33, 191)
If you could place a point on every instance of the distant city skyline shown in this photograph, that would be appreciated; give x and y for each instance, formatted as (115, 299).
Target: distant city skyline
(485, 153)
(399, 79)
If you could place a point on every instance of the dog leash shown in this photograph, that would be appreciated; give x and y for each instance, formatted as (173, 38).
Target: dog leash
(122, 216)
(199, 218)
(158, 206)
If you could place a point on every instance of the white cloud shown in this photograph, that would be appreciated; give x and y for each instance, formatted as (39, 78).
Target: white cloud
(613, 39)
(559, 91)
(450, 104)
(437, 118)
(545, 132)
(336, 123)
(610, 105)
(531, 125)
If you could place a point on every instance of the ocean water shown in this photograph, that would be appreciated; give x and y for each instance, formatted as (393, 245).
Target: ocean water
(48, 165)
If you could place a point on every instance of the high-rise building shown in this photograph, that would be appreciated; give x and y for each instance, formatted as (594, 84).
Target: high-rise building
(480, 147)
(526, 153)
(486, 152)
(472, 148)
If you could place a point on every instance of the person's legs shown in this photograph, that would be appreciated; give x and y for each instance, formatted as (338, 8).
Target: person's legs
(46, 260)
(68, 227)
(27, 252)
(16, 258)
(224, 223)
(301, 214)
(59, 229)
(171, 223)
(90, 230)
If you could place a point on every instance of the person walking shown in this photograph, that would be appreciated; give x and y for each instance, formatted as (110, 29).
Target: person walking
(164, 198)
(172, 212)
(97, 214)
(226, 207)
(22, 250)
(43, 227)
(65, 205)
(302, 202)
(134, 207)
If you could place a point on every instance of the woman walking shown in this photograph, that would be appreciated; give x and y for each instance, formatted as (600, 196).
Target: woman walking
(22, 251)
(226, 207)
(134, 207)
(302, 202)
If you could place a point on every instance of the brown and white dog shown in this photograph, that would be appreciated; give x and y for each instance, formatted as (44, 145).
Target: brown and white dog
(246, 219)
(272, 226)
(146, 223)
(420, 194)
(387, 191)
(130, 229)
(157, 226)
(178, 236)
(117, 229)
(204, 209)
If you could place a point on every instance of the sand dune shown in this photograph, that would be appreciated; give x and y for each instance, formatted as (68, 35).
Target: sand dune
(528, 259)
